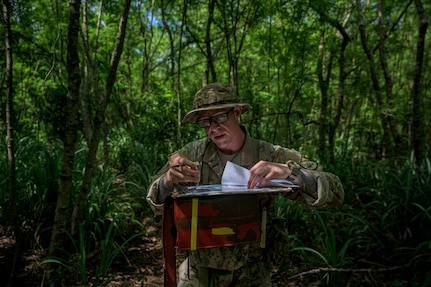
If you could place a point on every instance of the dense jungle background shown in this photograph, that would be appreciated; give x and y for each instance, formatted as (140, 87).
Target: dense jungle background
(92, 97)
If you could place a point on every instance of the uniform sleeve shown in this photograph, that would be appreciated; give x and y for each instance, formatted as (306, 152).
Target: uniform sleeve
(317, 188)
(330, 191)
(190, 151)
(153, 191)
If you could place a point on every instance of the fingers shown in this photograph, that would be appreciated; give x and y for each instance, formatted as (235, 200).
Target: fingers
(262, 172)
(183, 170)
(184, 174)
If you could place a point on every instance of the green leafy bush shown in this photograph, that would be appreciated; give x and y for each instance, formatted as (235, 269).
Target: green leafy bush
(380, 233)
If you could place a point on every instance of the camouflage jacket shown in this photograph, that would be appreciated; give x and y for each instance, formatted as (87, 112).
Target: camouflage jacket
(329, 192)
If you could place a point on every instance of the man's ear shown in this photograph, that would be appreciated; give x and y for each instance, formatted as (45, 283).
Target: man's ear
(237, 111)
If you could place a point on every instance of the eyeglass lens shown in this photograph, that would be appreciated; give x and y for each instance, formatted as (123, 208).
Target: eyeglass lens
(217, 119)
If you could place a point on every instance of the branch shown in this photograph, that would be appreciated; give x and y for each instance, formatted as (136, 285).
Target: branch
(332, 269)
(388, 33)
(300, 115)
(334, 23)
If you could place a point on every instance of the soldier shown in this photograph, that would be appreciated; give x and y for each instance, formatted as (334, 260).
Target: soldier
(217, 109)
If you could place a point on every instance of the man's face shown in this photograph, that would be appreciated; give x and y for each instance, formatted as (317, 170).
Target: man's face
(226, 135)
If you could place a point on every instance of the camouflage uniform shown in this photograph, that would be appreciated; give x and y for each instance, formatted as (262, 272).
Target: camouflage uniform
(241, 265)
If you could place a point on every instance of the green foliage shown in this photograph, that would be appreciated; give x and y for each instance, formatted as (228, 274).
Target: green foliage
(387, 208)
(382, 228)
(110, 218)
(75, 270)
(110, 221)
(380, 221)
(37, 177)
(109, 249)
(276, 69)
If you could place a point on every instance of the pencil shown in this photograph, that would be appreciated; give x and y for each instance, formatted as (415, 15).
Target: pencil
(180, 165)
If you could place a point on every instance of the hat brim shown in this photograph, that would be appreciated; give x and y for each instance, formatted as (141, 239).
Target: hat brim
(192, 116)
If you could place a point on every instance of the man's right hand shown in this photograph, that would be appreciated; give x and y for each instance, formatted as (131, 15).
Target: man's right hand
(181, 170)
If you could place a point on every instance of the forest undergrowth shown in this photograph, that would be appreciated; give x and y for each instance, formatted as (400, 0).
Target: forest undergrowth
(380, 236)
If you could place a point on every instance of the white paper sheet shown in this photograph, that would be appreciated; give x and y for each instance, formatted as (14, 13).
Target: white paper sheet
(234, 181)
(237, 176)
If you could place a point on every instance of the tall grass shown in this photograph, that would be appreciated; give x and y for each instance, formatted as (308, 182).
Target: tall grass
(380, 234)
(36, 188)
(110, 223)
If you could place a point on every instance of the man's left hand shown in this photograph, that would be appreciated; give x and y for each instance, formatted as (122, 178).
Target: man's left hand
(263, 171)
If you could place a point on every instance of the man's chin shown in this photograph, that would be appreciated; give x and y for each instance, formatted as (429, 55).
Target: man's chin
(220, 143)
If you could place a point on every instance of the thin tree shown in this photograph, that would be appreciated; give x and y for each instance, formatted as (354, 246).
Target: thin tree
(324, 80)
(147, 33)
(172, 59)
(10, 140)
(177, 81)
(237, 19)
(386, 144)
(418, 135)
(389, 83)
(62, 211)
(89, 73)
(99, 118)
(328, 128)
(210, 70)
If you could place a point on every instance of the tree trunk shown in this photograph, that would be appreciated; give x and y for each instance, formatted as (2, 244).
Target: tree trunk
(386, 143)
(99, 119)
(330, 127)
(340, 101)
(324, 86)
(177, 82)
(86, 72)
(10, 123)
(229, 32)
(146, 46)
(171, 74)
(388, 79)
(237, 20)
(62, 211)
(418, 134)
(90, 74)
(210, 57)
(10, 114)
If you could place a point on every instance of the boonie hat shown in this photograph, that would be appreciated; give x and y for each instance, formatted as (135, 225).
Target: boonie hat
(212, 97)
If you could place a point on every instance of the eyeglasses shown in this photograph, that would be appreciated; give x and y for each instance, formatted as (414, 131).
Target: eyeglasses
(217, 119)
